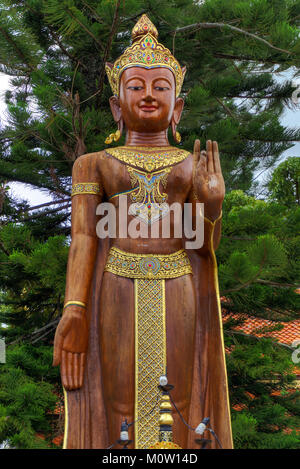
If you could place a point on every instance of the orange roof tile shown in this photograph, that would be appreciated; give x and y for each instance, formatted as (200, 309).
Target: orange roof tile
(251, 325)
(58, 440)
(239, 407)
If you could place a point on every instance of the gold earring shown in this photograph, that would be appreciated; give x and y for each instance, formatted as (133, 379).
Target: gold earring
(114, 137)
(109, 139)
(117, 135)
(177, 137)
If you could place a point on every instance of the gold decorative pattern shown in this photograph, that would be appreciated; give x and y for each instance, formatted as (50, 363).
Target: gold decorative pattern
(85, 188)
(149, 272)
(150, 357)
(142, 27)
(145, 52)
(165, 436)
(165, 445)
(148, 266)
(139, 157)
(149, 204)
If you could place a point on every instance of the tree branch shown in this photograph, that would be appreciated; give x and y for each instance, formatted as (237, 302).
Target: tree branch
(278, 344)
(276, 284)
(219, 55)
(196, 26)
(36, 207)
(38, 215)
(106, 52)
(226, 108)
(85, 28)
(18, 50)
(51, 325)
(64, 50)
(97, 17)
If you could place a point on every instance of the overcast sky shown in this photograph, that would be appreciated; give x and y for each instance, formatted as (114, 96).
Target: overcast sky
(34, 196)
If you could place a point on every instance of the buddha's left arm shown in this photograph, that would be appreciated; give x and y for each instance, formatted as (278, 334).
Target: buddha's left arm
(211, 229)
(207, 186)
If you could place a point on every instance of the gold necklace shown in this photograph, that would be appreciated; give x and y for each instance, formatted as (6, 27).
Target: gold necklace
(139, 157)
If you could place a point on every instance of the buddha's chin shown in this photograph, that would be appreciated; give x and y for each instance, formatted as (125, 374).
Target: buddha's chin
(151, 123)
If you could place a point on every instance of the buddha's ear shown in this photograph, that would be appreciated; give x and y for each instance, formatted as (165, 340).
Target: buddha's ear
(178, 108)
(115, 108)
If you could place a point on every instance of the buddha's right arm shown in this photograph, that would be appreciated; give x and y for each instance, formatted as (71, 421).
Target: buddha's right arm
(87, 194)
(71, 338)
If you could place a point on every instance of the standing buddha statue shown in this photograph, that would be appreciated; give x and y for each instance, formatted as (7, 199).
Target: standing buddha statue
(137, 308)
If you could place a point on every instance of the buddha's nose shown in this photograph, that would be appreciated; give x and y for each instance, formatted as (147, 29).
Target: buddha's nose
(148, 93)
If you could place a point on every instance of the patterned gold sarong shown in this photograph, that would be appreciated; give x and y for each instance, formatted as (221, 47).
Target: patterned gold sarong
(149, 272)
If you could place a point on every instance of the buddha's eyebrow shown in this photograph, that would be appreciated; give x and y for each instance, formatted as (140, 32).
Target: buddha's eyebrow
(164, 79)
(133, 78)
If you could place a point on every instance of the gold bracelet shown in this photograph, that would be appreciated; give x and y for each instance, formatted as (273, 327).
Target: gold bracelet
(75, 303)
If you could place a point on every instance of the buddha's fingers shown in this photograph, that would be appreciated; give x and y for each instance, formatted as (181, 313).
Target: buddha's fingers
(209, 153)
(217, 163)
(63, 370)
(81, 366)
(58, 343)
(76, 370)
(203, 161)
(60, 334)
(70, 369)
(196, 154)
(197, 149)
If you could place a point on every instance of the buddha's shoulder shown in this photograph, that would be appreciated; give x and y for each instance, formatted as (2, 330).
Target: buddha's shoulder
(89, 159)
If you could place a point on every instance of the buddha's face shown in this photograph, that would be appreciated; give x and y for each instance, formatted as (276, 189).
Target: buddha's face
(147, 98)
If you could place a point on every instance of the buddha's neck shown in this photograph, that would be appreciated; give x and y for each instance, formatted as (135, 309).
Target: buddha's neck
(155, 139)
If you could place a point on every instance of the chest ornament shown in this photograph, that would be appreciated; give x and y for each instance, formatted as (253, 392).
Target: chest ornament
(148, 203)
(148, 158)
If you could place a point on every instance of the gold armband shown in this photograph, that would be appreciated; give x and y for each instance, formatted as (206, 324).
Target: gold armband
(85, 188)
(75, 303)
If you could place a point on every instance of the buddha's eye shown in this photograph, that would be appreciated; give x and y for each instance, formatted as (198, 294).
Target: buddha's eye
(161, 88)
(135, 88)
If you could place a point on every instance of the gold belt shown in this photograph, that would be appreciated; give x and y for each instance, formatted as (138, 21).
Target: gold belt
(148, 266)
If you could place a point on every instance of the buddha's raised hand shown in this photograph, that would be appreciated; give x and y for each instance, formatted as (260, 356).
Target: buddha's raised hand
(208, 179)
(70, 346)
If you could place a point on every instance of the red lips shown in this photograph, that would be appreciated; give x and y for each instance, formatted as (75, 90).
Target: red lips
(148, 108)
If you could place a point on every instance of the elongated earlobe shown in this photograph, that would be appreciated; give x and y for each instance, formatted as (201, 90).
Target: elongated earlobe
(175, 133)
(176, 119)
(117, 115)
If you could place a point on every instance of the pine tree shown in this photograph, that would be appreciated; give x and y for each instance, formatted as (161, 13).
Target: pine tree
(57, 109)
(258, 272)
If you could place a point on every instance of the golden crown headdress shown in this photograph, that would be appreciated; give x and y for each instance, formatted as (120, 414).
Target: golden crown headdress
(145, 52)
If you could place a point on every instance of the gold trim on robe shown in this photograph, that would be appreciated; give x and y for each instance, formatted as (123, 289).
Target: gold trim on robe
(149, 272)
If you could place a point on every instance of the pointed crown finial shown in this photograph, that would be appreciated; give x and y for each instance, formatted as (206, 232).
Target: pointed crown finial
(143, 26)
